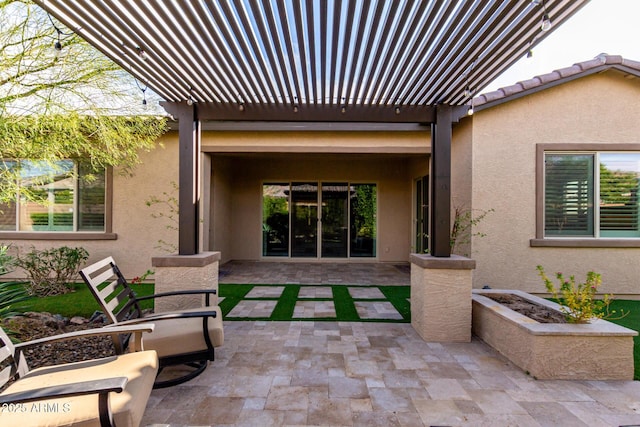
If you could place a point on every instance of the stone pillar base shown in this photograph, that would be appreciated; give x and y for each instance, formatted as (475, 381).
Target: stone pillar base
(184, 272)
(441, 297)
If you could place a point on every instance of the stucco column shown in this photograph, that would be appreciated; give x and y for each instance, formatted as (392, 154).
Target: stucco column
(441, 297)
(184, 272)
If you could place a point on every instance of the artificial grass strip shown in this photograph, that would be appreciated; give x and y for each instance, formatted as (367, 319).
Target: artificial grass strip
(344, 304)
(399, 297)
(286, 303)
(233, 294)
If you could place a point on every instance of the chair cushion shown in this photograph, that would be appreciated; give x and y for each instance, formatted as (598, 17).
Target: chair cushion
(181, 336)
(127, 407)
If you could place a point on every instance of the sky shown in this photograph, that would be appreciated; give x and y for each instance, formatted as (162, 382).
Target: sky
(601, 26)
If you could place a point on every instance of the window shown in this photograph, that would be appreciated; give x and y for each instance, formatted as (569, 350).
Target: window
(61, 196)
(591, 194)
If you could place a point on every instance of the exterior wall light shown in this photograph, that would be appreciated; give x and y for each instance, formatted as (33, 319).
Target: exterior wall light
(142, 53)
(546, 23)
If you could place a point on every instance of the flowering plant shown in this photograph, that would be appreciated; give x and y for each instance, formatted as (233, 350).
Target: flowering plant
(578, 299)
(139, 279)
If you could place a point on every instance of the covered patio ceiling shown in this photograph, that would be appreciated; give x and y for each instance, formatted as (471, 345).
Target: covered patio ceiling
(314, 60)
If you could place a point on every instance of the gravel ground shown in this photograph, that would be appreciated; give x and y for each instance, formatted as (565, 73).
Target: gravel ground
(39, 325)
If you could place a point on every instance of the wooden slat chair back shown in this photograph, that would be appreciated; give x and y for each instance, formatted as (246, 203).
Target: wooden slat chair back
(13, 364)
(186, 337)
(116, 298)
(106, 391)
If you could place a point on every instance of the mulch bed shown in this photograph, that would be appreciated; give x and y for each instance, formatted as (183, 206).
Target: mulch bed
(527, 308)
(31, 326)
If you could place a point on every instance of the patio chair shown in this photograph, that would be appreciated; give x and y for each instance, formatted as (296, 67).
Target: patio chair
(186, 337)
(108, 391)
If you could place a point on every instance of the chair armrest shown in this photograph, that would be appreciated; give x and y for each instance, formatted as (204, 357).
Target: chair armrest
(164, 316)
(106, 385)
(207, 292)
(116, 329)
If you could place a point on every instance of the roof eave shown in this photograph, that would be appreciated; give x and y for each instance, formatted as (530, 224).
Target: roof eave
(556, 82)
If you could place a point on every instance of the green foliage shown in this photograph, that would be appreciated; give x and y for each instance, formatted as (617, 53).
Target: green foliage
(364, 210)
(579, 303)
(272, 205)
(138, 280)
(37, 79)
(617, 187)
(105, 141)
(50, 271)
(11, 293)
(74, 105)
(463, 222)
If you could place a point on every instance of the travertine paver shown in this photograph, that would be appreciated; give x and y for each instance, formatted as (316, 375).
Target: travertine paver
(315, 292)
(311, 309)
(377, 374)
(265, 292)
(366, 293)
(377, 310)
(252, 308)
(314, 273)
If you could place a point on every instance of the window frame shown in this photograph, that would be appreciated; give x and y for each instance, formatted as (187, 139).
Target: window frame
(107, 234)
(578, 242)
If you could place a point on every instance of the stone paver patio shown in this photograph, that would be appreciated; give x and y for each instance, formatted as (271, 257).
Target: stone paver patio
(376, 374)
(315, 273)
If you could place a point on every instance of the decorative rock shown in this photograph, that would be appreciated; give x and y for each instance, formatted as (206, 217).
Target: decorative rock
(61, 318)
(98, 317)
(50, 320)
(78, 320)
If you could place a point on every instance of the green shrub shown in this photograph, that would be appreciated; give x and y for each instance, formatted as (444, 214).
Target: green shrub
(579, 299)
(51, 271)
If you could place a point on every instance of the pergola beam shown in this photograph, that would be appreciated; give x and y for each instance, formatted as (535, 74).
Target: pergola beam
(310, 113)
(440, 181)
(189, 177)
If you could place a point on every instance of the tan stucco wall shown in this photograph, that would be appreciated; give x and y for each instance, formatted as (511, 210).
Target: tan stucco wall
(602, 108)
(461, 178)
(137, 232)
(316, 141)
(220, 236)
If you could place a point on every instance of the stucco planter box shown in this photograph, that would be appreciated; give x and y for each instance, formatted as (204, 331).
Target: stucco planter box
(599, 350)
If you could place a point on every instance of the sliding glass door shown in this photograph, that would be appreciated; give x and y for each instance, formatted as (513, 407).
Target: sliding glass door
(364, 219)
(330, 220)
(335, 217)
(304, 220)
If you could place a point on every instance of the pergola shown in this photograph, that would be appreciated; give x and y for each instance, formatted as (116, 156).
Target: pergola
(324, 61)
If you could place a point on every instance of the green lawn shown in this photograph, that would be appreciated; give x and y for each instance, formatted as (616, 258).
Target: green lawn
(80, 302)
(631, 321)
